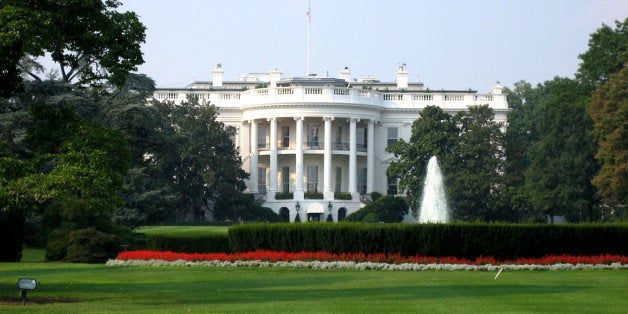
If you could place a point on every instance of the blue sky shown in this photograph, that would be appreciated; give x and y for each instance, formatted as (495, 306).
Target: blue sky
(445, 44)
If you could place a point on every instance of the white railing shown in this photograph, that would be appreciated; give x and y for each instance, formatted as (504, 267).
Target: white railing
(313, 91)
(285, 91)
(422, 97)
(453, 97)
(484, 97)
(230, 96)
(393, 96)
(261, 91)
(278, 95)
(341, 91)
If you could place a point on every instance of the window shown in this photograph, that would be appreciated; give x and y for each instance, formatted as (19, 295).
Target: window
(285, 179)
(231, 131)
(261, 137)
(261, 179)
(285, 136)
(393, 136)
(338, 144)
(361, 138)
(338, 180)
(392, 186)
(362, 180)
(312, 136)
(312, 179)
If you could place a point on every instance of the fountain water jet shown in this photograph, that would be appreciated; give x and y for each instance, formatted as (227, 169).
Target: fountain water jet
(434, 208)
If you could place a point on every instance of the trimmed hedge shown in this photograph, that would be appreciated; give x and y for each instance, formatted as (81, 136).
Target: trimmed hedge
(502, 241)
(189, 242)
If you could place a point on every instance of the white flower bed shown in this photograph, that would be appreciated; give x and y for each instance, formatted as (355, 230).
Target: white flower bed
(366, 265)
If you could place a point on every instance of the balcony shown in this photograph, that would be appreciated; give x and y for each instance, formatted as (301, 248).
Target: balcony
(319, 145)
(330, 95)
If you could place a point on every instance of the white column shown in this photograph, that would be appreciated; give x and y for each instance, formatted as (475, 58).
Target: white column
(352, 159)
(298, 184)
(272, 190)
(244, 145)
(370, 157)
(328, 194)
(253, 177)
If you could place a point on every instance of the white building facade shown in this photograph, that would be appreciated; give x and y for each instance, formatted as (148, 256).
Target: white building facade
(316, 146)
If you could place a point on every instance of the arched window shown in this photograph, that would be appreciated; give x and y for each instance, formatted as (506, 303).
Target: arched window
(342, 213)
(284, 213)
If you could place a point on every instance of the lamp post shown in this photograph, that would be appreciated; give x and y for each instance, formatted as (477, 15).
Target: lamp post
(297, 207)
(329, 215)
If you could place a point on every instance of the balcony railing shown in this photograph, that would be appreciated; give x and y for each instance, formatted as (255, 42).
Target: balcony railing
(331, 95)
(312, 145)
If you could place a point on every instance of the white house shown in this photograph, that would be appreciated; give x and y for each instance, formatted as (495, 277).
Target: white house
(315, 146)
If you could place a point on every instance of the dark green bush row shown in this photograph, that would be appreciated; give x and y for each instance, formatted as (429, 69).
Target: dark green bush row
(189, 242)
(314, 195)
(342, 196)
(502, 241)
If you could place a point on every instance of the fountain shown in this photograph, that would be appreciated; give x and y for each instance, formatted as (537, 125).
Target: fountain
(434, 207)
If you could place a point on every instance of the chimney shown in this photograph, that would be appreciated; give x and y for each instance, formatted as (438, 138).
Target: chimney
(345, 74)
(217, 76)
(497, 89)
(402, 77)
(274, 77)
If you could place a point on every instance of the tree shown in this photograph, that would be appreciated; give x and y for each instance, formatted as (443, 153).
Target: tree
(607, 54)
(90, 40)
(73, 180)
(434, 133)
(469, 148)
(147, 191)
(562, 160)
(524, 102)
(609, 110)
(390, 209)
(205, 167)
(474, 183)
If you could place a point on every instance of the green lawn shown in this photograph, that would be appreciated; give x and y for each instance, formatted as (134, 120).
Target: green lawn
(166, 229)
(96, 288)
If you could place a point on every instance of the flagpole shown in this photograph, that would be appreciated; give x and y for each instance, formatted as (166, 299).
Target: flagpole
(309, 23)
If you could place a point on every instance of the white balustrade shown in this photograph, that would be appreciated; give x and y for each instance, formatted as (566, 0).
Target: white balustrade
(276, 95)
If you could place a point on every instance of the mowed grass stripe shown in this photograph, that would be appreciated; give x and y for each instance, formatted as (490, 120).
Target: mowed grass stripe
(210, 289)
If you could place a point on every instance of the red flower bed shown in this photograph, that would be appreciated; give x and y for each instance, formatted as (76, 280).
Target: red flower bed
(275, 256)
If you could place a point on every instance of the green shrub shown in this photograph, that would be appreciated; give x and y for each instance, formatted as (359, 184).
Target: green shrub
(57, 245)
(375, 196)
(189, 242)
(342, 196)
(91, 246)
(284, 196)
(370, 218)
(388, 209)
(313, 195)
